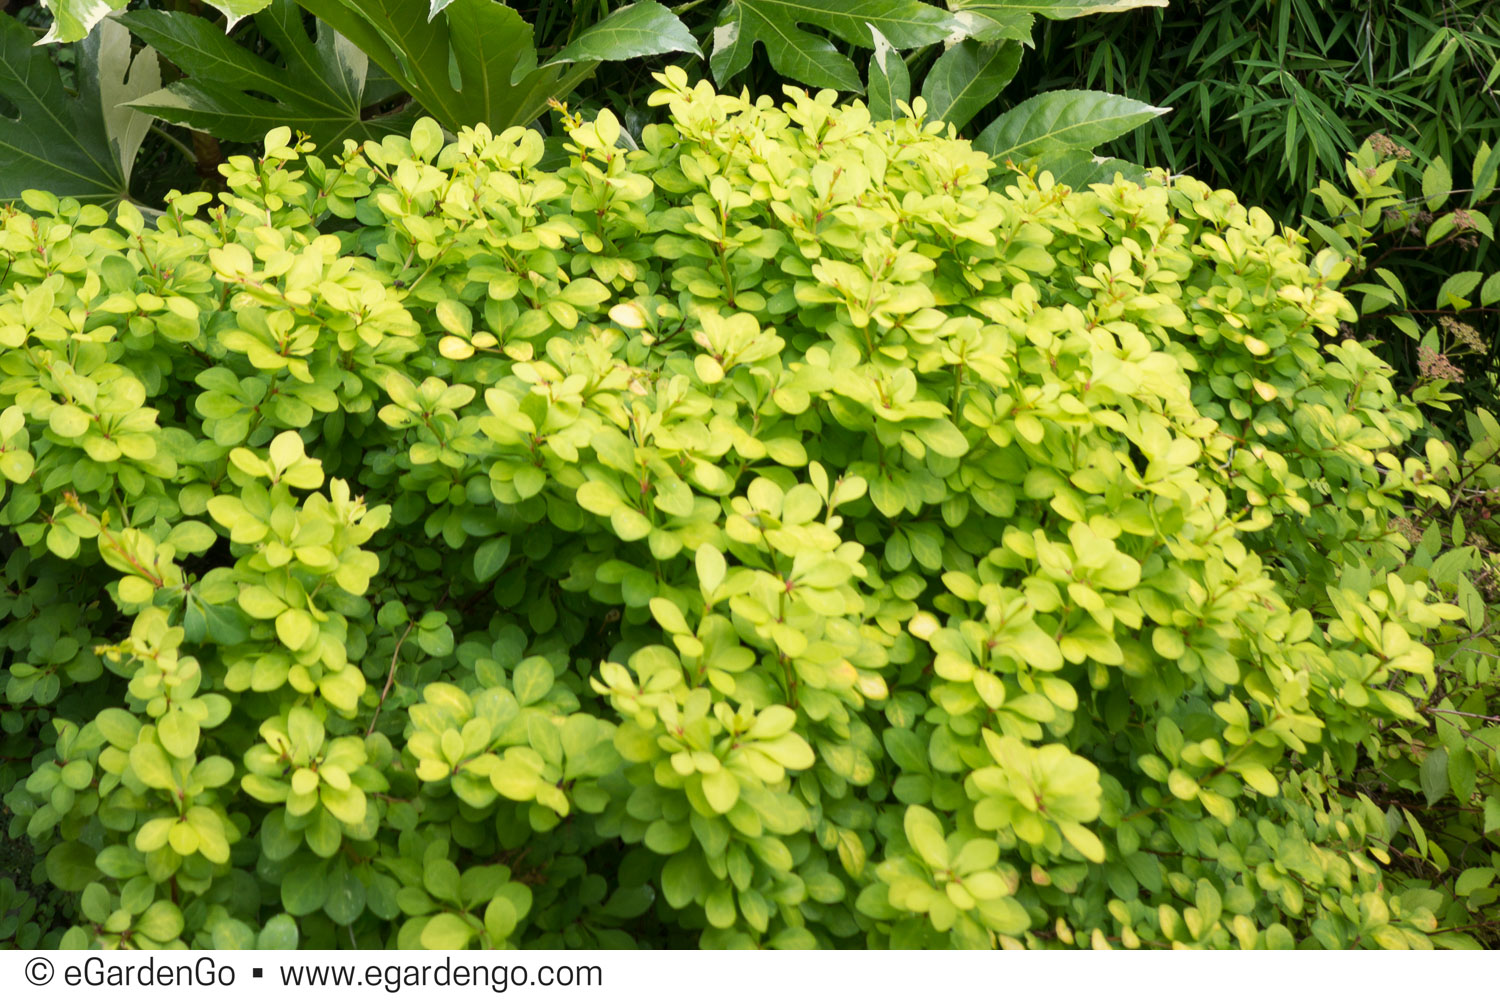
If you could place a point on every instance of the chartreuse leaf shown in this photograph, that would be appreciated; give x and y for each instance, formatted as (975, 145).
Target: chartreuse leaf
(73, 20)
(810, 58)
(1062, 119)
(229, 91)
(81, 146)
(236, 10)
(447, 932)
(1437, 184)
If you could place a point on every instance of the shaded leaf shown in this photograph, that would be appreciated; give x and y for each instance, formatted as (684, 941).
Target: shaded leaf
(1078, 168)
(74, 19)
(967, 77)
(235, 94)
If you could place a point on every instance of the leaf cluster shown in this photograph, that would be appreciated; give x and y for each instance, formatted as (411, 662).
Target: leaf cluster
(773, 536)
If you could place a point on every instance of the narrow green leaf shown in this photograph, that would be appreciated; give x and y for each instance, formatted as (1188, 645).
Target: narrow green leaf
(812, 59)
(1057, 10)
(1063, 119)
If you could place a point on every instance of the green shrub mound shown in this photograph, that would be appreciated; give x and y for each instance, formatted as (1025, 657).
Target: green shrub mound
(771, 536)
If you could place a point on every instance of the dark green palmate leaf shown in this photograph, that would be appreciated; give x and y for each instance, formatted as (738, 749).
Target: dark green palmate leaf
(969, 76)
(1062, 119)
(322, 89)
(474, 61)
(81, 145)
(1057, 10)
(812, 59)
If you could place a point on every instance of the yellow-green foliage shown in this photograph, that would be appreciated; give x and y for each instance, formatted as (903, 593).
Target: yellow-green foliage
(774, 535)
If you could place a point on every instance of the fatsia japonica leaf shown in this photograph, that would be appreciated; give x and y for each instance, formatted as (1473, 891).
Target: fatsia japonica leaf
(121, 79)
(1063, 119)
(230, 92)
(82, 146)
(811, 58)
(967, 77)
(472, 63)
(74, 19)
(890, 82)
